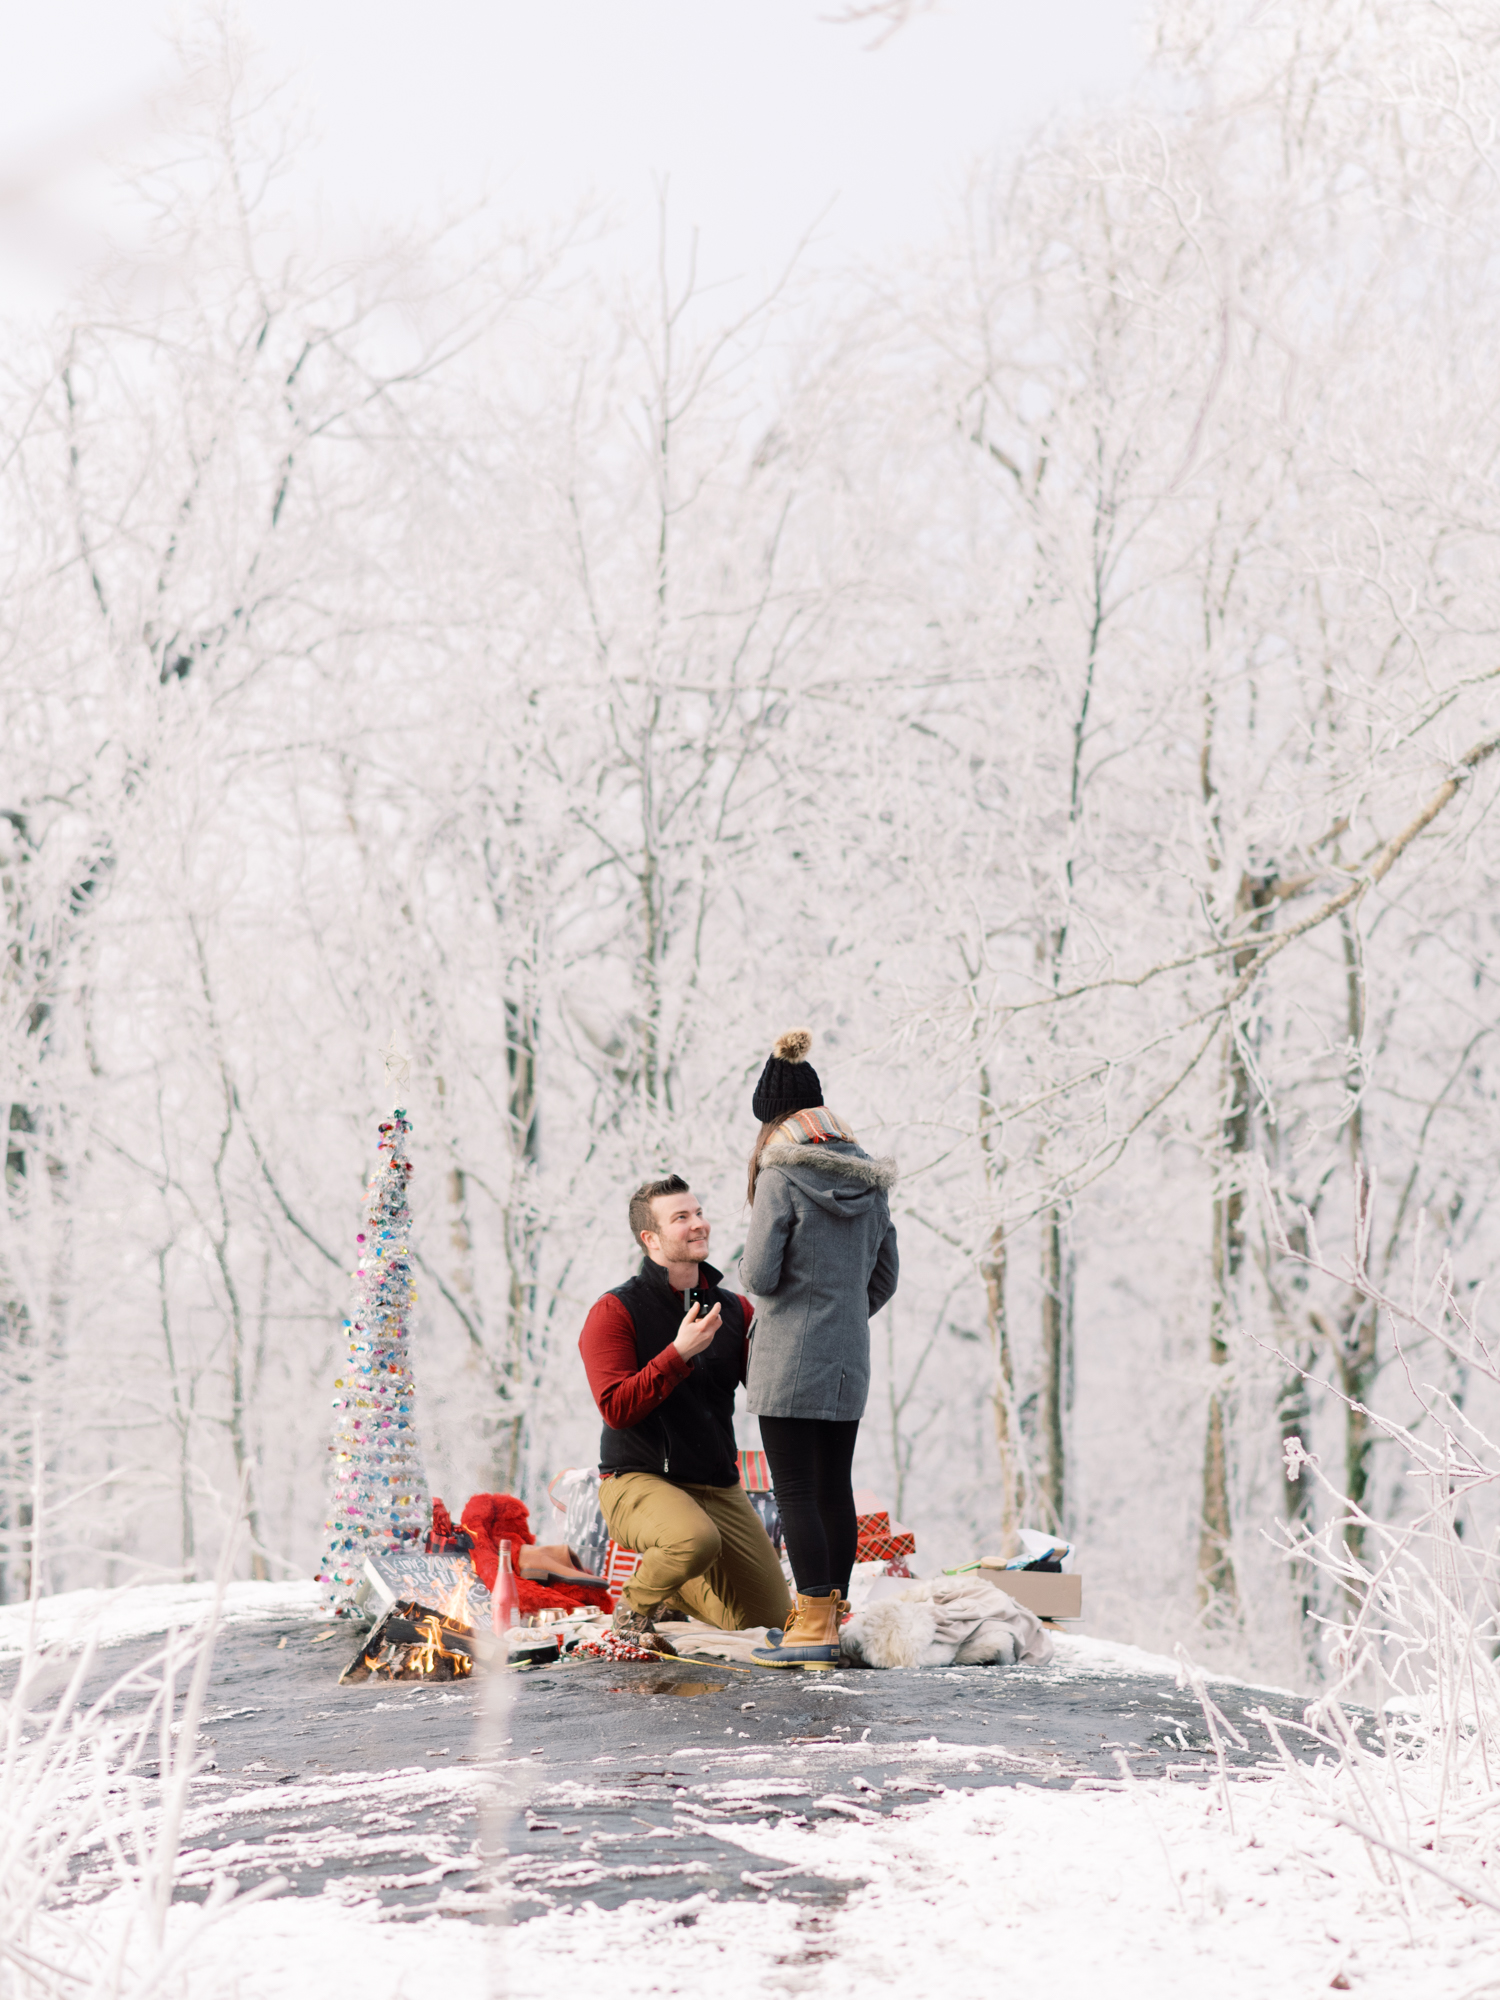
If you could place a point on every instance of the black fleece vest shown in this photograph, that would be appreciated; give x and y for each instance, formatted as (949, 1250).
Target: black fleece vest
(689, 1437)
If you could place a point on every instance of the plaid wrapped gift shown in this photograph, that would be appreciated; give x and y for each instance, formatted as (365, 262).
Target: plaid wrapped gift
(620, 1565)
(879, 1541)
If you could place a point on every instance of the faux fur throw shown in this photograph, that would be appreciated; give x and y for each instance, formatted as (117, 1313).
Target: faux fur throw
(493, 1518)
(947, 1621)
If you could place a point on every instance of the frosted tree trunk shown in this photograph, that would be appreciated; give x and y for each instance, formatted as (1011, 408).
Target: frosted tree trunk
(1218, 1589)
(1057, 1344)
(522, 1244)
(1010, 1445)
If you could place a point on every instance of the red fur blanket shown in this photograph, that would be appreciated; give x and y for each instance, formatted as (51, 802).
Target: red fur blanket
(493, 1518)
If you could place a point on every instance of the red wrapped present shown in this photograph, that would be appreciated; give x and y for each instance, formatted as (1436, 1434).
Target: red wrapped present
(755, 1472)
(879, 1541)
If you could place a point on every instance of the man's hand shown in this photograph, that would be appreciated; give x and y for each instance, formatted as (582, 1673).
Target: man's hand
(695, 1334)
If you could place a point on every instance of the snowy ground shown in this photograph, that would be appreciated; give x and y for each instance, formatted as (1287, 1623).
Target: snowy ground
(1104, 1894)
(143, 1610)
(914, 1833)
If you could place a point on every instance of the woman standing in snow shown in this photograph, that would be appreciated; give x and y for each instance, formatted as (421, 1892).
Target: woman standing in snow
(820, 1259)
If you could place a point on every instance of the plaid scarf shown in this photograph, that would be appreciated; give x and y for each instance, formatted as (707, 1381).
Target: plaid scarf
(811, 1128)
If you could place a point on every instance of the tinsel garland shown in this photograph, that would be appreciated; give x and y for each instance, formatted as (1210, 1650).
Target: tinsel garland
(379, 1488)
(607, 1645)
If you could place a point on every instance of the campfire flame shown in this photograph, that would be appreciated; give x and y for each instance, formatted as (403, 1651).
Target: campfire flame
(432, 1659)
(455, 1605)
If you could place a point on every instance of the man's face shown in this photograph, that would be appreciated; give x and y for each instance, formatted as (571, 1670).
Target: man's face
(681, 1232)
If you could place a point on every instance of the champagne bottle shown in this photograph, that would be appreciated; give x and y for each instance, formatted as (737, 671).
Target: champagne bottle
(503, 1599)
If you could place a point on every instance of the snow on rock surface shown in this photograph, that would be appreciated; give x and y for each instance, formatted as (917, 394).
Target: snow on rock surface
(140, 1610)
(1125, 1893)
(1075, 1657)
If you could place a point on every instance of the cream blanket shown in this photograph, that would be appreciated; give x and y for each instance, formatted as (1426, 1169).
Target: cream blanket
(964, 1621)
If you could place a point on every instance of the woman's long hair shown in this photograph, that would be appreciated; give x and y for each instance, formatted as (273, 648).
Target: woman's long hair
(762, 1139)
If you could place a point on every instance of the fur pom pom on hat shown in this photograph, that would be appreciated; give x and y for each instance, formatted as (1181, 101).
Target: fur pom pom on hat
(788, 1082)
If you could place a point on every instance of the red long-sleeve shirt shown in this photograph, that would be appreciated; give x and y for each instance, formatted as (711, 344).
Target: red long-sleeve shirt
(624, 1391)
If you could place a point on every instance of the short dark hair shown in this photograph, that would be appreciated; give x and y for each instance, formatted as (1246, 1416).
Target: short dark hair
(642, 1215)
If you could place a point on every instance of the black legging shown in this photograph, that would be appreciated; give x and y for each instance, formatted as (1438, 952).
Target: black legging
(810, 1458)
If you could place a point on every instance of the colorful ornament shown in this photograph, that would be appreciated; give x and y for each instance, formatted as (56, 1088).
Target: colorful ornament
(379, 1450)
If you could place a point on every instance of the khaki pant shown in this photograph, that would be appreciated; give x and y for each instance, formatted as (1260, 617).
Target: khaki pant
(702, 1545)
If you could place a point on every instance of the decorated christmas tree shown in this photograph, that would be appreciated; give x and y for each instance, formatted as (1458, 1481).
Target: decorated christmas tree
(379, 1489)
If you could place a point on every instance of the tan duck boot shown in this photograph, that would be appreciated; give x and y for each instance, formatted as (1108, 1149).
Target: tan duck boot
(810, 1637)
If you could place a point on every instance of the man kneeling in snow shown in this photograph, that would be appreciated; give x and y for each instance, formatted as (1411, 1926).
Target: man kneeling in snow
(664, 1354)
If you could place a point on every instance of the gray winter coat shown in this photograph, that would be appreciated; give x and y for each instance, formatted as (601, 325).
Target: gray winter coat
(819, 1260)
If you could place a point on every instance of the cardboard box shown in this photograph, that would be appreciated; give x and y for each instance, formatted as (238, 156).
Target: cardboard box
(1042, 1591)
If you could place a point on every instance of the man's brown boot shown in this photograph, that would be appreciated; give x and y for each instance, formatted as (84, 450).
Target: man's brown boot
(810, 1637)
(636, 1626)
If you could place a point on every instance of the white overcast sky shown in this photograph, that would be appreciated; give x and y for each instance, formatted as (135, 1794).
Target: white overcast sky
(762, 112)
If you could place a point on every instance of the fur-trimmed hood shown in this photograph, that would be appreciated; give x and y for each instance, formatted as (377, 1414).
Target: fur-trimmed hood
(844, 1163)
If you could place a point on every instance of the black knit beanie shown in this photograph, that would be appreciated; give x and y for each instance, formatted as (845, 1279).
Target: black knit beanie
(788, 1082)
